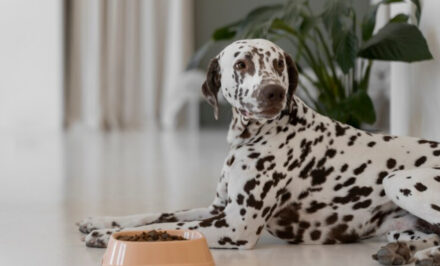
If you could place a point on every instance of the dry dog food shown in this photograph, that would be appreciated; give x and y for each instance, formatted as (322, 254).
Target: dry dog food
(150, 237)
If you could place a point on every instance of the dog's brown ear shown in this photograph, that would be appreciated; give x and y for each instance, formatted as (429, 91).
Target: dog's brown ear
(212, 85)
(293, 76)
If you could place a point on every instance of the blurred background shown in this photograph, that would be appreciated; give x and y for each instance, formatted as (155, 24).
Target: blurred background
(121, 65)
(101, 111)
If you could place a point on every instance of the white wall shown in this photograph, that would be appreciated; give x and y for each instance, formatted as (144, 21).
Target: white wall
(415, 88)
(30, 65)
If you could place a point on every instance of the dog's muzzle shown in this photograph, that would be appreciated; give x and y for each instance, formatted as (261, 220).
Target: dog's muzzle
(270, 99)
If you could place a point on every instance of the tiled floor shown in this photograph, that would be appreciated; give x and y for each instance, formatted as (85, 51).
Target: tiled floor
(49, 181)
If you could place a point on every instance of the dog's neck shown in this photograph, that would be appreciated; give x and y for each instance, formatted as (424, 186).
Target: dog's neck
(243, 129)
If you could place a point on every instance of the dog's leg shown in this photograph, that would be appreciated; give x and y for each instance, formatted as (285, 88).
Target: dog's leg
(403, 246)
(415, 191)
(90, 224)
(250, 204)
(230, 229)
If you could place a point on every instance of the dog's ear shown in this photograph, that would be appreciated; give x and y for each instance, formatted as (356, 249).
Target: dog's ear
(293, 76)
(212, 85)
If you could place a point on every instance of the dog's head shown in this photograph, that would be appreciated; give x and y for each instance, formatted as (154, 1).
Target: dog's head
(255, 76)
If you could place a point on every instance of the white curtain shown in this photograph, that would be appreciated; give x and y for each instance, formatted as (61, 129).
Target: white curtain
(124, 61)
(415, 88)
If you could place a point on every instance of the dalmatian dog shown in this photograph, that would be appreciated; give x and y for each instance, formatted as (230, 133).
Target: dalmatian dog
(301, 176)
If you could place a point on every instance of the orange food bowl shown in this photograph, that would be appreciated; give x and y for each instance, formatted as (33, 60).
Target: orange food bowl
(193, 251)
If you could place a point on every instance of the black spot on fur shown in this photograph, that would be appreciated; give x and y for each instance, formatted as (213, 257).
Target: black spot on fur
(250, 185)
(230, 161)
(420, 161)
(315, 206)
(406, 192)
(347, 218)
(319, 176)
(261, 161)
(331, 219)
(391, 163)
(354, 194)
(435, 207)
(254, 155)
(381, 176)
(208, 222)
(266, 188)
(339, 233)
(240, 199)
(420, 187)
(226, 240)
(252, 202)
(340, 131)
(360, 169)
(349, 182)
(166, 218)
(330, 153)
(260, 228)
(387, 138)
(371, 144)
(315, 235)
(115, 224)
(344, 168)
(362, 205)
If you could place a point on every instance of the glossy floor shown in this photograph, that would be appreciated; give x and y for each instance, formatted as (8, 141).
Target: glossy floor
(49, 181)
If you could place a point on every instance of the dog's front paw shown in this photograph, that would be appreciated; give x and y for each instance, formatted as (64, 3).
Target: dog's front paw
(90, 224)
(99, 238)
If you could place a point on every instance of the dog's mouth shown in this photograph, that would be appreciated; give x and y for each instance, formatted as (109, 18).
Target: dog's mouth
(245, 112)
(270, 112)
(267, 113)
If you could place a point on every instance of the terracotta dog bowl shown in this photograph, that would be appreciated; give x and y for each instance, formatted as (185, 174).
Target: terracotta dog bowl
(193, 251)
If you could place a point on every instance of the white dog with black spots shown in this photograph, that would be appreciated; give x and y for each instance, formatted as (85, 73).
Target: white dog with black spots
(301, 176)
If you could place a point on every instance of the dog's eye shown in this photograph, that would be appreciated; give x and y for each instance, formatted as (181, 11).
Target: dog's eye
(240, 65)
(280, 64)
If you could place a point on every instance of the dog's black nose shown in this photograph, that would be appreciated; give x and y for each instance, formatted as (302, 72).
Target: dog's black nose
(272, 94)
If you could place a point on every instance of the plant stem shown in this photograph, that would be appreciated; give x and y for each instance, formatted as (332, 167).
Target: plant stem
(310, 61)
(327, 53)
(354, 83)
(366, 79)
(309, 96)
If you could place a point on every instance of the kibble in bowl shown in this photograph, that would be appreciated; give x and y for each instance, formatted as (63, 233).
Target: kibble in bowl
(150, 236)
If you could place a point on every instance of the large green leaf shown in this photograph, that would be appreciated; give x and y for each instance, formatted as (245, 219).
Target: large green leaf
(226, 32)
(258, 21)
(345, 49)
(335, 14)
(293, 11)
(255, 25)
(278, 24)
(418, 10)
(338, 112)
(308, 23)
(400, 18)
(359, 104)
(397, 42)
(369, 21)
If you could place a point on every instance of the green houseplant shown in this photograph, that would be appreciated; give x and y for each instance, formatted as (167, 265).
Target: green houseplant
(337, 45)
